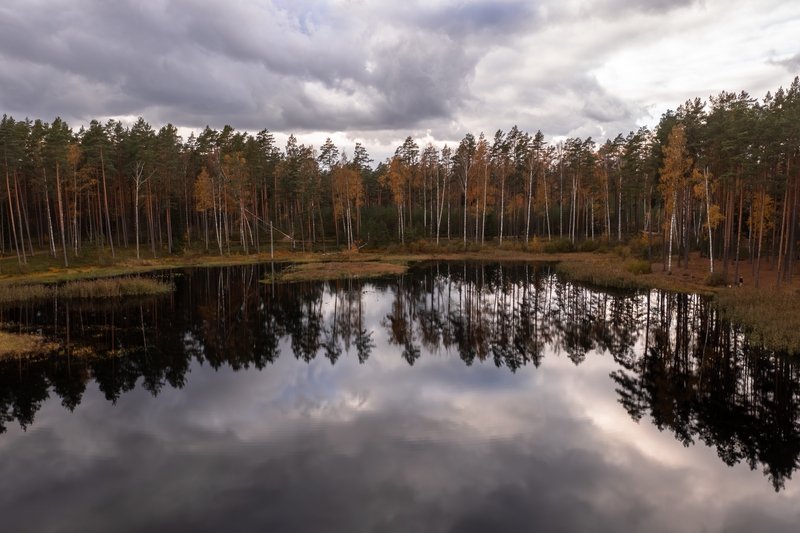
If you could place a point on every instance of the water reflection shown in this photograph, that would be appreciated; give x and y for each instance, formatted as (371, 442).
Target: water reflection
(678, 364)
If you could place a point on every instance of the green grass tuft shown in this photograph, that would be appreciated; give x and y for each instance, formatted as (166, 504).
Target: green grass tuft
(637, 268)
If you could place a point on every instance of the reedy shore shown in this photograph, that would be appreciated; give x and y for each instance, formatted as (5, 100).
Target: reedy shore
(771, 317)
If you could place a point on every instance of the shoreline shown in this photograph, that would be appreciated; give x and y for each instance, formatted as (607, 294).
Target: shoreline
(609, 269)
(769, 316)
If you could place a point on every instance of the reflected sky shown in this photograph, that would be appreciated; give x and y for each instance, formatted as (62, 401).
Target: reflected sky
(375, 446)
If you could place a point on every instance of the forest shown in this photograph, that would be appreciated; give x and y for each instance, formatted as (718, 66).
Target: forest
(718, 177)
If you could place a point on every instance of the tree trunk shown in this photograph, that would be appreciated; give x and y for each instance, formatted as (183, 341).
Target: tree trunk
(19, 217)
(51, 241)
(61, 218)
(501, 213)
(708, 216)
(792, 240)
(739, 234)
(23, 210)
(136, 216)
(546, 205)
(760, 234)
(11, 216)
(105, 197)
(528, 211)
(782, 235)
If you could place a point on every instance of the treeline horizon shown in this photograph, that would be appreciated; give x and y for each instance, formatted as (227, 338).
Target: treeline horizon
(718, 176)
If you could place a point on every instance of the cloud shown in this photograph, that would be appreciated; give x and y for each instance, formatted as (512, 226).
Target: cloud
(195, 62)
(205, 481)
(792, 64)
(437, 68)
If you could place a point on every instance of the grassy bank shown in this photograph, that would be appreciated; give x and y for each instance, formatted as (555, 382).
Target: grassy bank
(770, 318)
(588, 272)
(605, 267)
(626, 273)
(86, 289)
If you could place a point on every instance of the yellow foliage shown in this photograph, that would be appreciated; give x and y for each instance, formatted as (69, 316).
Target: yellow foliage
(348, 189)
(754, 221)
(396, 179)
(715, 216)
(203, 191)
(676, 170)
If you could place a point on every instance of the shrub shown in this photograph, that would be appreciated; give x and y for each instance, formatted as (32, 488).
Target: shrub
(376, 233)
(535, 246)
(424, 246)
(559, 246)
(639, 267)
(602, 248)
(589, 245)
(452, 246)
(717, 279)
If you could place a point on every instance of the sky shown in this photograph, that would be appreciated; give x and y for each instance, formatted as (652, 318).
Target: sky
(377, 72)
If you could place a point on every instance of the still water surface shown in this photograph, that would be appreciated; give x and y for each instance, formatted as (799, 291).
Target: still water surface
(458, 397)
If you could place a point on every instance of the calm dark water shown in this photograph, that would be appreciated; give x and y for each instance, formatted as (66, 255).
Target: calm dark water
(459, 397)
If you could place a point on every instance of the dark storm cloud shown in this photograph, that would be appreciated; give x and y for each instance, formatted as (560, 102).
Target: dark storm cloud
(195, 62)
(284, 65)
(792, 64)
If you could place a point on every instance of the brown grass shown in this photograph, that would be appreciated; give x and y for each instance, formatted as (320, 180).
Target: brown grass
(15, 344)
(339, 270)
(98, 288)
(770, 318)
(590, 272)
(613, 270)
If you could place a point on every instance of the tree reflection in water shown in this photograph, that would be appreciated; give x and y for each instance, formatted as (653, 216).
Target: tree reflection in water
(679, 363)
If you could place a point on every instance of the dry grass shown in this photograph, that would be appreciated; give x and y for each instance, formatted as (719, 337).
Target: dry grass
(114, 287)
(15, 344)
(98, 288)
(770, 318)
(21, 293)
(339, 270)
(592, 273)
(612, 270)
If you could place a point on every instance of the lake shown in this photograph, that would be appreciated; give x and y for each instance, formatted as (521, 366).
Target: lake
(460, 396)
